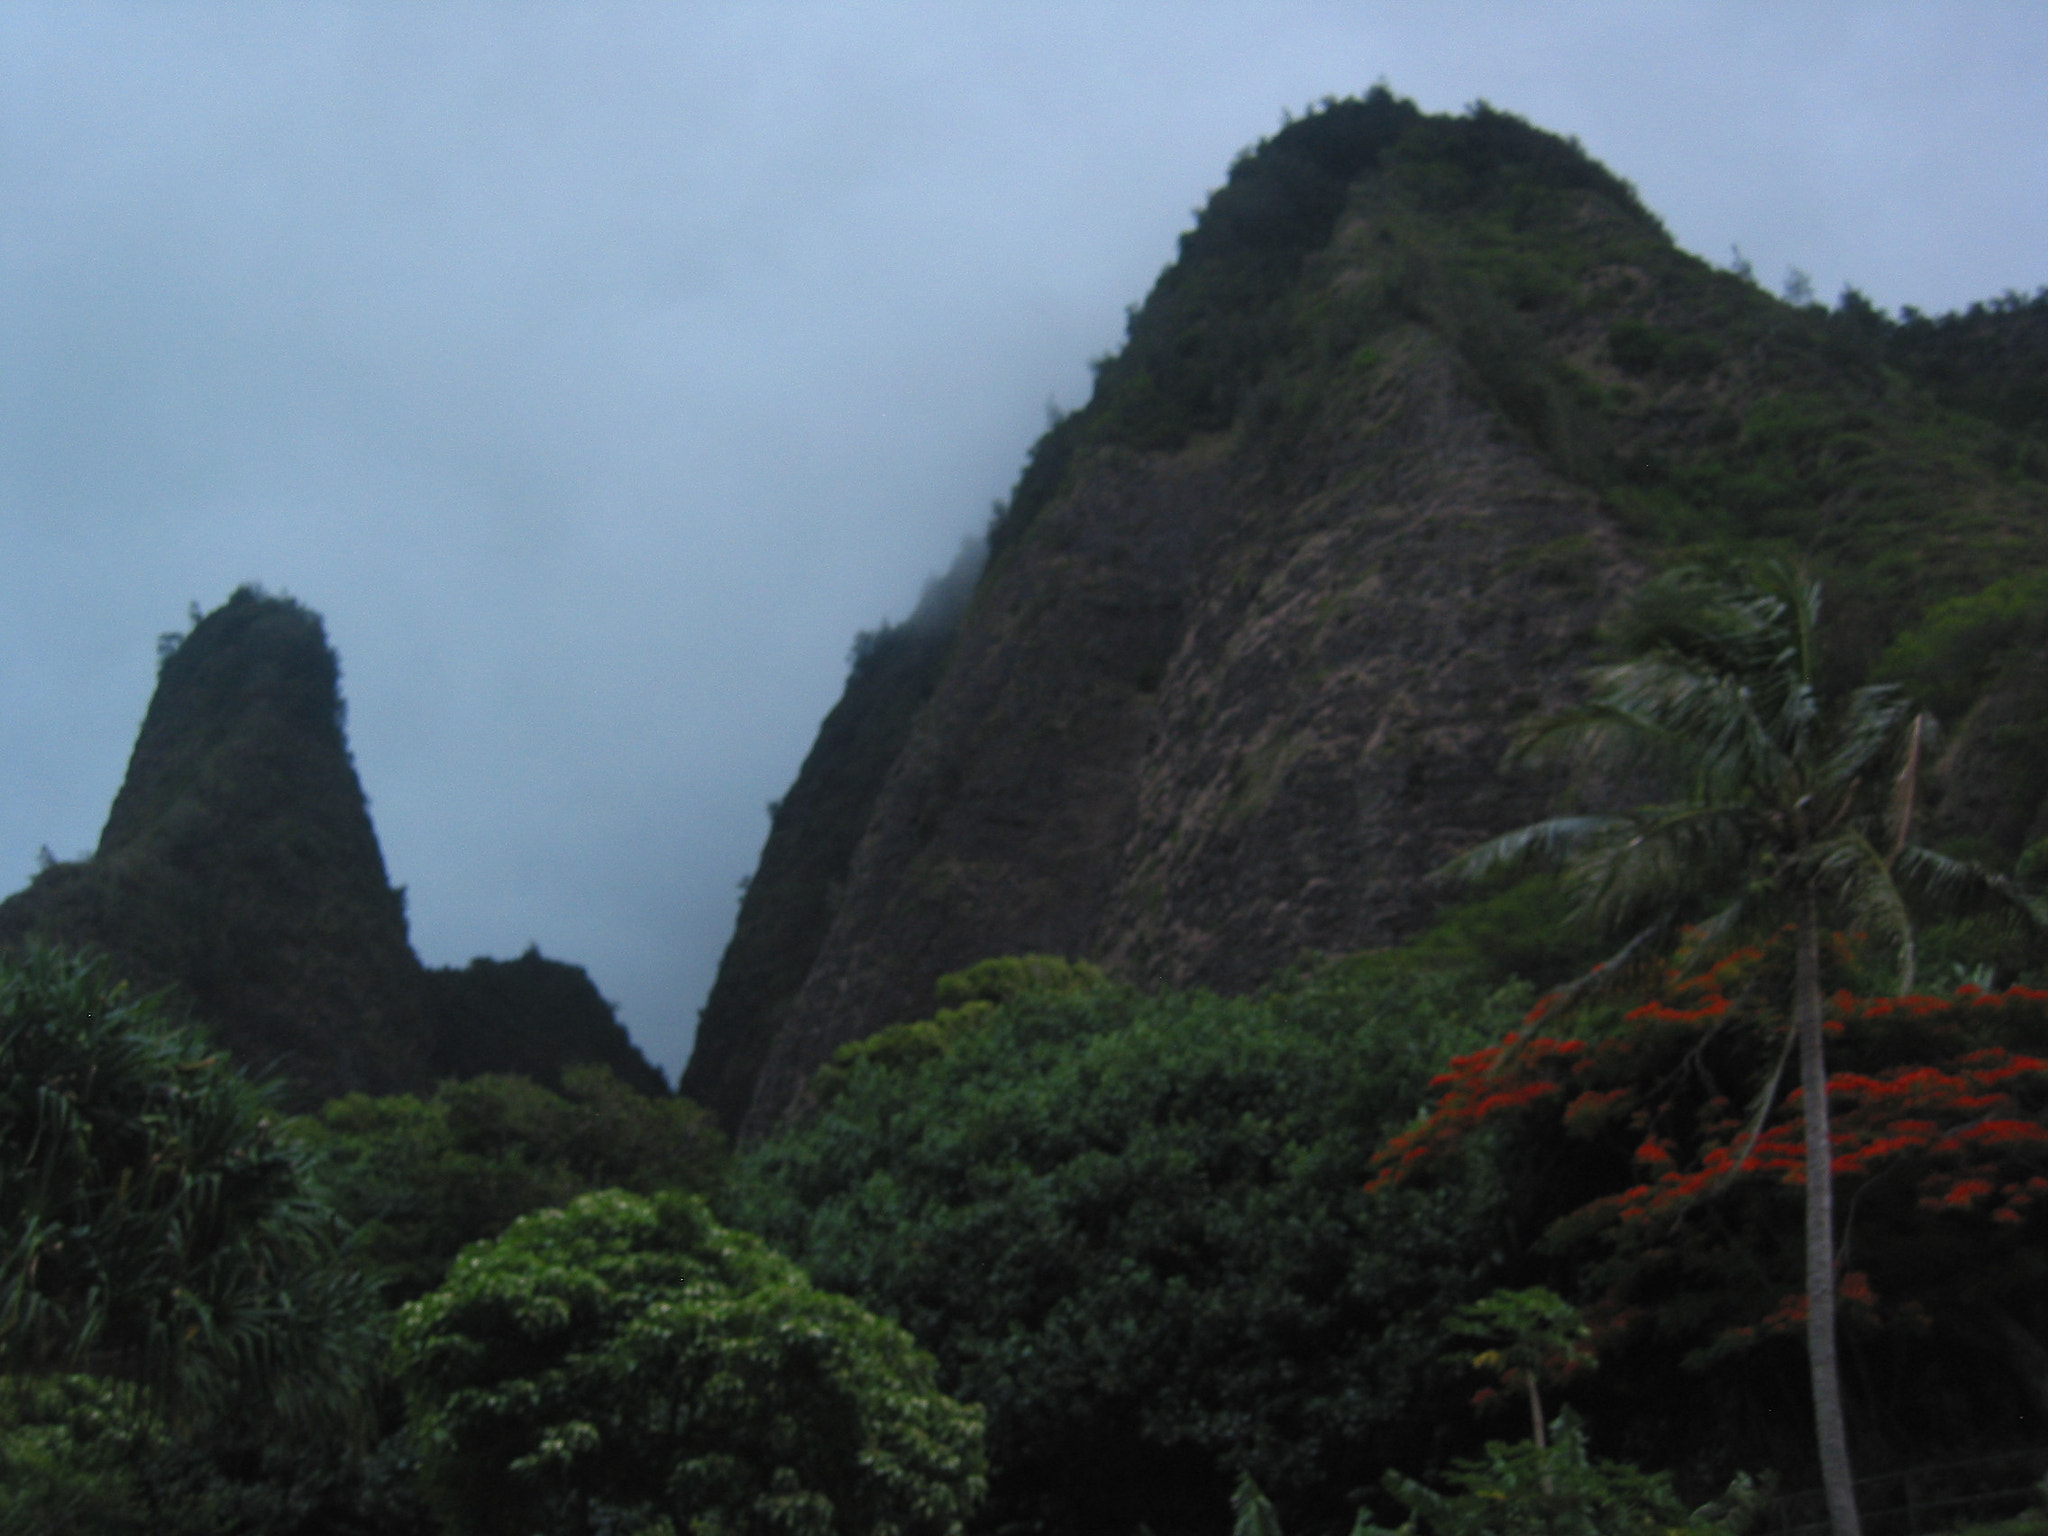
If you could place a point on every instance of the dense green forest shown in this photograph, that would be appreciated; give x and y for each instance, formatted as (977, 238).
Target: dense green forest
(1506, 1227)
(1160, 1243)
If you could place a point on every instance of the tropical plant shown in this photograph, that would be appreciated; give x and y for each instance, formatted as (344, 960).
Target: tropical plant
(419, 1179)
(1134, 1228)
(1532, 1337)
(154, 1227)
(1792, 800)
(1531, 1488)
(1541, 1487)
(1253, 1513)
(625, 1363)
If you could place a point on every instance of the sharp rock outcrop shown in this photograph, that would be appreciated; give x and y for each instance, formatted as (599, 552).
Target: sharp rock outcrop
(239, 869)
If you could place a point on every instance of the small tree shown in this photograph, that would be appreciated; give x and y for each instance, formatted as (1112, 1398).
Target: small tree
(626, 1362)
(1533, 1337)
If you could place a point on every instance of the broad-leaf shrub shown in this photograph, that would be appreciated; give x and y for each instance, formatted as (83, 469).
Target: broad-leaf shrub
(1533, 1339)
(1134, 1228)
(627, 1363)
(420, 1179)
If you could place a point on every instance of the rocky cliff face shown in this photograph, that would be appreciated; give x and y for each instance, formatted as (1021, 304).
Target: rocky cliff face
(239, 869)
(1203, 720)
(790, 902)
(1420, 399)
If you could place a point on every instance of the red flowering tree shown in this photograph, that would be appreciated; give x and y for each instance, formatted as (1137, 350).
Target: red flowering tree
(1684, 1224)
(1787, 802)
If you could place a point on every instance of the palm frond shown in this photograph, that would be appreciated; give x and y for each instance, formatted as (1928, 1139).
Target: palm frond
(1967, 885)
(1874, 730)
(1726, 729)
(1622, 971)
(1540, 842)
(1664, 856)
(1861, 878)
(1604, 735)
(1800, 597)
(1746, 917)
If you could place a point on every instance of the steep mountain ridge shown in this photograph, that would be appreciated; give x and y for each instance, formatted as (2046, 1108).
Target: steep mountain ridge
(239, 869)
(1352, 501)
(789, 903)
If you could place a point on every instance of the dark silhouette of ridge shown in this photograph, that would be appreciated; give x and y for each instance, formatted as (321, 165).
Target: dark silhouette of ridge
(239, 870)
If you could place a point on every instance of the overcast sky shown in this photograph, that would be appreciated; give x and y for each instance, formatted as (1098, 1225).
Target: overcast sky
(599, 370)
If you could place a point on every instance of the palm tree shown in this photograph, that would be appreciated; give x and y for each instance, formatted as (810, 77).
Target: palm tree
(1792, 804)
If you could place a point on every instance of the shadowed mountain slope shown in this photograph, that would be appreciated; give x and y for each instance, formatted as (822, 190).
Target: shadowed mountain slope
(1420, 398)
(239, 869)
(531, 1016)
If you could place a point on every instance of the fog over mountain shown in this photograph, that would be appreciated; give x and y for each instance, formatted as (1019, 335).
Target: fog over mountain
(599, 371)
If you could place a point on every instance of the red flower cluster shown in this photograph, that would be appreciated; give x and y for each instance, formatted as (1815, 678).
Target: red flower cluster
(1939, 1105)
(1481, 1087)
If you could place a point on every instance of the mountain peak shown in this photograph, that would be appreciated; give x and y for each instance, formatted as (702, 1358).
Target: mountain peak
(238, 866)
(239, 870)
(1418, 400)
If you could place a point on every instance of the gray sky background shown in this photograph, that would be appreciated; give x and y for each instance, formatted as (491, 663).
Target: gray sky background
(598, 370)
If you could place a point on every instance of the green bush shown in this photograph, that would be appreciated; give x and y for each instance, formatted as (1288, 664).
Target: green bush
(1953, 655)
(625, 1363)
(84, 1456)
(1134, 1228)
(68, 1446)
(967, 998)
(1522, 1489)
(153, 1224)
(420, 1179)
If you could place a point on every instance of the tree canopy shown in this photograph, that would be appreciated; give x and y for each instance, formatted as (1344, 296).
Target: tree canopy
(624, 1362)
(1134, 1227)
(418, 1179)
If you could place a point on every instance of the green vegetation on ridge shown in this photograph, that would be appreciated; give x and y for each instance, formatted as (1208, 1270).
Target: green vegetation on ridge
(1906, 459)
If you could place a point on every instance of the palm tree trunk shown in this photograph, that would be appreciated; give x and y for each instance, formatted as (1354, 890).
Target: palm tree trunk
(1821, 1286)
(1536, 1426)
